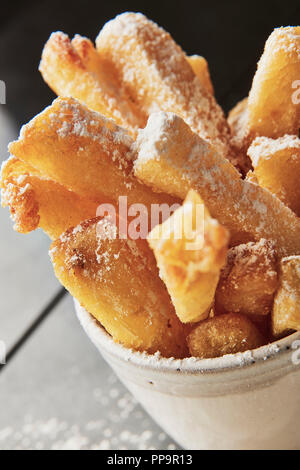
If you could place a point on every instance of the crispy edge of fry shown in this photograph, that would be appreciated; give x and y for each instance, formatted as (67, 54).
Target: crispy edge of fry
(229, 333)
(272, 112)
(19, 195)
(172, 159)
(190, 261)
(117, 281)
(64, 71)
(201, 69)
(276, 165)
(249, 280)
(35, 201)
(93, 62)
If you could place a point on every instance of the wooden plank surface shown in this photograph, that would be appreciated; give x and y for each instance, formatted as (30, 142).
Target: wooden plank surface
(60, 394)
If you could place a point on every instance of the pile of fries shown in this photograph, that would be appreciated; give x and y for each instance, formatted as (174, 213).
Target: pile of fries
(137, 119)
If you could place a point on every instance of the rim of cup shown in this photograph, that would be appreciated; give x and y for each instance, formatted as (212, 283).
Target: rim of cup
(262, 355)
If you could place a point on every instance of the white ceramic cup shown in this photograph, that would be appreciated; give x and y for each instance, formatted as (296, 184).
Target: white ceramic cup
(248, 400)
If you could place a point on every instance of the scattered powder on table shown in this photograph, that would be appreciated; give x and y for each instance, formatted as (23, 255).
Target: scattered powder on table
(112, 432)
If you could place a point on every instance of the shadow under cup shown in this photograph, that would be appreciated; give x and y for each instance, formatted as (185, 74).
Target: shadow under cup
(248, 400)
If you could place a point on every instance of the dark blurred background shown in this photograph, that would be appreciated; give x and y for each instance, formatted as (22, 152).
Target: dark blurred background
(230, 34)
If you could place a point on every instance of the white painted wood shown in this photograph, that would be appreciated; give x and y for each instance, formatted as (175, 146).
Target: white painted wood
(61, 394)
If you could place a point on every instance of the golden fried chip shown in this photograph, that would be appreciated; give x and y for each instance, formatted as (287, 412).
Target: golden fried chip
(84, 76)
(190, 249)
(286, 308)
(273, 102)
(131, 115)
(35, 201)
(200, 67)
(276, 165)
(85, 152)
(249, 280)
(272, 109)
(158, 75)
(224, 334)
(19, 195)
(117, 281)
(172, 159)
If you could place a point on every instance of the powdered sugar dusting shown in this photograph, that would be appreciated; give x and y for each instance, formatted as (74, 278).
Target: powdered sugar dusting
(243, 207)
(159, 76)
(265, 148)
(70, 119)
(285, 39)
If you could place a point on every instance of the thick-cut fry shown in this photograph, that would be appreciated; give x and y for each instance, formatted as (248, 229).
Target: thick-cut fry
(272, 108)
(84, 76)
(117, 281)
(173, 159)
(92, 60)
(249, 280)
(200, 67)
(85, 152)
(276, 165)
(190, 249)
(131, 115)
(286, 308)
(35, 201)
(273, 103)
(157, 73)
(224, 334)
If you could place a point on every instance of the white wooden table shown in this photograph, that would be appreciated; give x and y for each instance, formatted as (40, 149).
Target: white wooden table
(56, 391)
